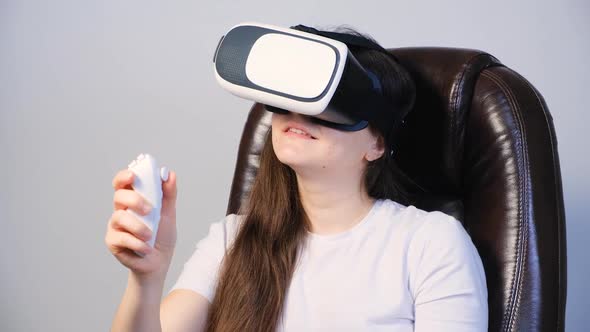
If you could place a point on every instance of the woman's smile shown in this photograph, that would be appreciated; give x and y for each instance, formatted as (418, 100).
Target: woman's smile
(297, 133)
(298, 130)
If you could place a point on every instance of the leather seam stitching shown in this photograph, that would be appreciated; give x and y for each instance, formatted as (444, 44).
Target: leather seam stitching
(553, 153)
(522, 237)
(517, 276)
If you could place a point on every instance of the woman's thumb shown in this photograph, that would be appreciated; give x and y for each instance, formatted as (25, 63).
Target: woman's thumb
(169, 191)
(166, 237)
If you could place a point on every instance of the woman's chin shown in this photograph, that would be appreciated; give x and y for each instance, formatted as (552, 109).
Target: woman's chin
(303, 167)
(293, 159)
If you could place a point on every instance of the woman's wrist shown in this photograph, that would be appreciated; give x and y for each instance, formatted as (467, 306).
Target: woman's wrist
(147, 281)
(153, 277)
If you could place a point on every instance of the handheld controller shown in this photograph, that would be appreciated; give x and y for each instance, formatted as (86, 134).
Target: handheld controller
(148, 183)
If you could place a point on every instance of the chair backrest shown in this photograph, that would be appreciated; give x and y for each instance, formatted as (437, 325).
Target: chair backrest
(481, 142)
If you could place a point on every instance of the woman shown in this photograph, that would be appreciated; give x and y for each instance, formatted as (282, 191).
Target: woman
(327, 241)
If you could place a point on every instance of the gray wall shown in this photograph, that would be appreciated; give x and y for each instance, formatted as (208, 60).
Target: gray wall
(86, 86)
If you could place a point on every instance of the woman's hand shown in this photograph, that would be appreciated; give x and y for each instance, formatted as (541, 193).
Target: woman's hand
(126, 233)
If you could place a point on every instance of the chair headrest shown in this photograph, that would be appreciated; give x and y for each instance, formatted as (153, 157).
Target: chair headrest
(432, 141)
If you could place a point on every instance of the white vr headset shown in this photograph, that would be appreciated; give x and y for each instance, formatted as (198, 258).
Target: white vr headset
(303, 70)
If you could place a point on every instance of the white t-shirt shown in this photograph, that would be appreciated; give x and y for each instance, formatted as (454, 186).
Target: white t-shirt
(398, 269)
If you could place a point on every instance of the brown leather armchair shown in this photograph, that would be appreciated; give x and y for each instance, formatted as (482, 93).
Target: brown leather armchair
(481, 143)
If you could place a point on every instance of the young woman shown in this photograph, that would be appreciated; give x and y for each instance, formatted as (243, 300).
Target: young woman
(327, 241)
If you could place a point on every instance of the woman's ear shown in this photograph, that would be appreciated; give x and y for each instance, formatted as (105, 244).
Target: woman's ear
(376, 149)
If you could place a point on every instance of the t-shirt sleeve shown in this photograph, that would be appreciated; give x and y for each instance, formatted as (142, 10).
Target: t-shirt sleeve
(201, 271)
(447, 278)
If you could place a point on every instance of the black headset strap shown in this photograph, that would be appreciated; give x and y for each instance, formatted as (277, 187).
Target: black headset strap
(382, 118)
(346, 38)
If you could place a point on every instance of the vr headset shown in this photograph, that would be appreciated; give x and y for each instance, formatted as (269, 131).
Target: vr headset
(306, 71)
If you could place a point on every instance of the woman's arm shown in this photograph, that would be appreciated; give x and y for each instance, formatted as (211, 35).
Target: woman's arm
(141, 310)
(140, 307)
(184, 310)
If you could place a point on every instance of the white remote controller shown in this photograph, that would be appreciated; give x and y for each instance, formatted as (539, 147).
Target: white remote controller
(148, 183)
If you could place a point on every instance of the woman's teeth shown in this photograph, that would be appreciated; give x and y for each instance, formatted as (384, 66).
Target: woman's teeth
(297, 131)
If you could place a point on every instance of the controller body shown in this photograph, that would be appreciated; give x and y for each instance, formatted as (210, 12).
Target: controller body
(147, 182)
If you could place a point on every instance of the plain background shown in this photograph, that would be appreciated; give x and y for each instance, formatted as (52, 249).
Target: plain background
(85, 86)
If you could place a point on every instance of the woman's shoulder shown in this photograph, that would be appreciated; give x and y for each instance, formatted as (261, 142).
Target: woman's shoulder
(444, 268)
(231, 222)
(432, 234)
(418, 227)
(414, 217)
(225, 230)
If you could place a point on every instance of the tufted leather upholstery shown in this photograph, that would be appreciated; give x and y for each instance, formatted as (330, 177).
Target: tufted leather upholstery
(481, 143)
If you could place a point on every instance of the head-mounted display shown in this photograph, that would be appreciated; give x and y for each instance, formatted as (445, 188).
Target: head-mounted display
(302, 70)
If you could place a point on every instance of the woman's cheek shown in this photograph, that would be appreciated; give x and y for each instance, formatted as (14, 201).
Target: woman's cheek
(330, 154)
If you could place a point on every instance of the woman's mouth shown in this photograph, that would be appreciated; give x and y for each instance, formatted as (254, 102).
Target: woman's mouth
(296, 132)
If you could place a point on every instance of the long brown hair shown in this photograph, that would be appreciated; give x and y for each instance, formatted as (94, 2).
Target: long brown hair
(257, 269)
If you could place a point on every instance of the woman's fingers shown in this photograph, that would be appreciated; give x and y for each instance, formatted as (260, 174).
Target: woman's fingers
(117, 241)
(128, 198)
(128, 258)
(123, 220)
(127, 235)
(123, 179)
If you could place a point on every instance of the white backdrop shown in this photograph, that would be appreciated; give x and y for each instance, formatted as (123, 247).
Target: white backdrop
(85, 86)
